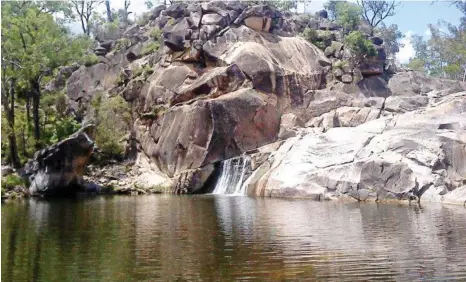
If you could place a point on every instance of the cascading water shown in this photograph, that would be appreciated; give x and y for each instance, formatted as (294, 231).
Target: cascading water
(232, 176)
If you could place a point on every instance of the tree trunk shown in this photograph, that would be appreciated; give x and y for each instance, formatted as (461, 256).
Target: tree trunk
(35, 110)
(109, 12)
(28, 109)
(10, 111)
(83, 26)
(464, 75)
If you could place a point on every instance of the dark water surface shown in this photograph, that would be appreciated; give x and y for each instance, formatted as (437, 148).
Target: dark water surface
(176, 238)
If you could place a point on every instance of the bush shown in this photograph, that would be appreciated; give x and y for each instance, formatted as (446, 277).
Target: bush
(143, 19)
(150, 47)
(90, 60)
(122, 44)
(11, 181)
(309, 34)
(139, 71)
(362, 47)
(155, 33)
(348, 15)
(319, 40)
(113, 119)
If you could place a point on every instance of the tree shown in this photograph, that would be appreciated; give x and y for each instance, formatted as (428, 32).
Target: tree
(33, 45)
(109, 11)
(84, 9)
(149, 4)
(391, 36)
(331, 7)
(124, 13)
(348, 15)
(416, 64)
(374, 12)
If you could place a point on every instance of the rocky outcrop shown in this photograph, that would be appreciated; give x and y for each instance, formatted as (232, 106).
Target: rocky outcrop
(398, 157)
(212, 81)
(58, 169)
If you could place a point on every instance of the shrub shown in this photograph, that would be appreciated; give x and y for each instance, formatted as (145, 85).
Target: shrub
(11, 181)
(139, 71)
(155, 33)
(122, 43)
(362, 47)
(150, 47)
(319, 39)
(309, 34)
(113, 119)
(143, 19)
(90, 60)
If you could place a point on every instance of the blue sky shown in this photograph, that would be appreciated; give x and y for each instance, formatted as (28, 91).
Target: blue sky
(412, 17)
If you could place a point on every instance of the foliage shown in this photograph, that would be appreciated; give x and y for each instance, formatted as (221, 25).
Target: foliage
(113, 119)
(331, 8)
(143, 19)
(84, 9)
(150, 47)
(362, 47)
(155, 33)
(416, 64)
(313, 37)
(139, 71)
(122, 44)
(90, 60)
(374, 12)
(9, 182)
(34, 45)
(347, 15)
(391, 36)
(149, 4)
(309, 34)
(443, 54)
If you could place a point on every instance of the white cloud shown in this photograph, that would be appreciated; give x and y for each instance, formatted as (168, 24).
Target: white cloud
(407, 51)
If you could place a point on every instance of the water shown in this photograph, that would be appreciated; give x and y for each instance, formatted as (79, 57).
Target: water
(218, 238)
(232, 177)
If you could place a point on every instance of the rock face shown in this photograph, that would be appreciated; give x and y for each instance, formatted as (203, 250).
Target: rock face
(58, 169)
(212, 81)
(398, 157)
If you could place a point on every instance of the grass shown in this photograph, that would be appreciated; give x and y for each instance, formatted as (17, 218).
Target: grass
(149, 48)
(90, 60)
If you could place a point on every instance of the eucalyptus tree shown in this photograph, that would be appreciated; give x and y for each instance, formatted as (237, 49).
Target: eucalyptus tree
(33, 45)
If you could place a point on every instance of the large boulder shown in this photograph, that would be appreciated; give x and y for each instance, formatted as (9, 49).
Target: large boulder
(194, 135)
(266, 59)
(174, 36)
(59, 81)
(411, 83)
(400, 157)
(58, 169)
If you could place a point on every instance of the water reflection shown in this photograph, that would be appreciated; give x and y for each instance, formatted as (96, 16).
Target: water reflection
(223, 238)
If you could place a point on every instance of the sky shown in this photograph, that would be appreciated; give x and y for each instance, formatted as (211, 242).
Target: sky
(412, 17)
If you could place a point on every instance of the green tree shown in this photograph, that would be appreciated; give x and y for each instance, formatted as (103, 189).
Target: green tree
(84, 9)
(348, 15)
(374, 12)
(391, 36)
(113, 119)
(331, 7)
(33, 45)
(416, 64)
(359, 45)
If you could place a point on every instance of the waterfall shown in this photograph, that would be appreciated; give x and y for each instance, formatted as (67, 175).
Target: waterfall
(232, 176)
